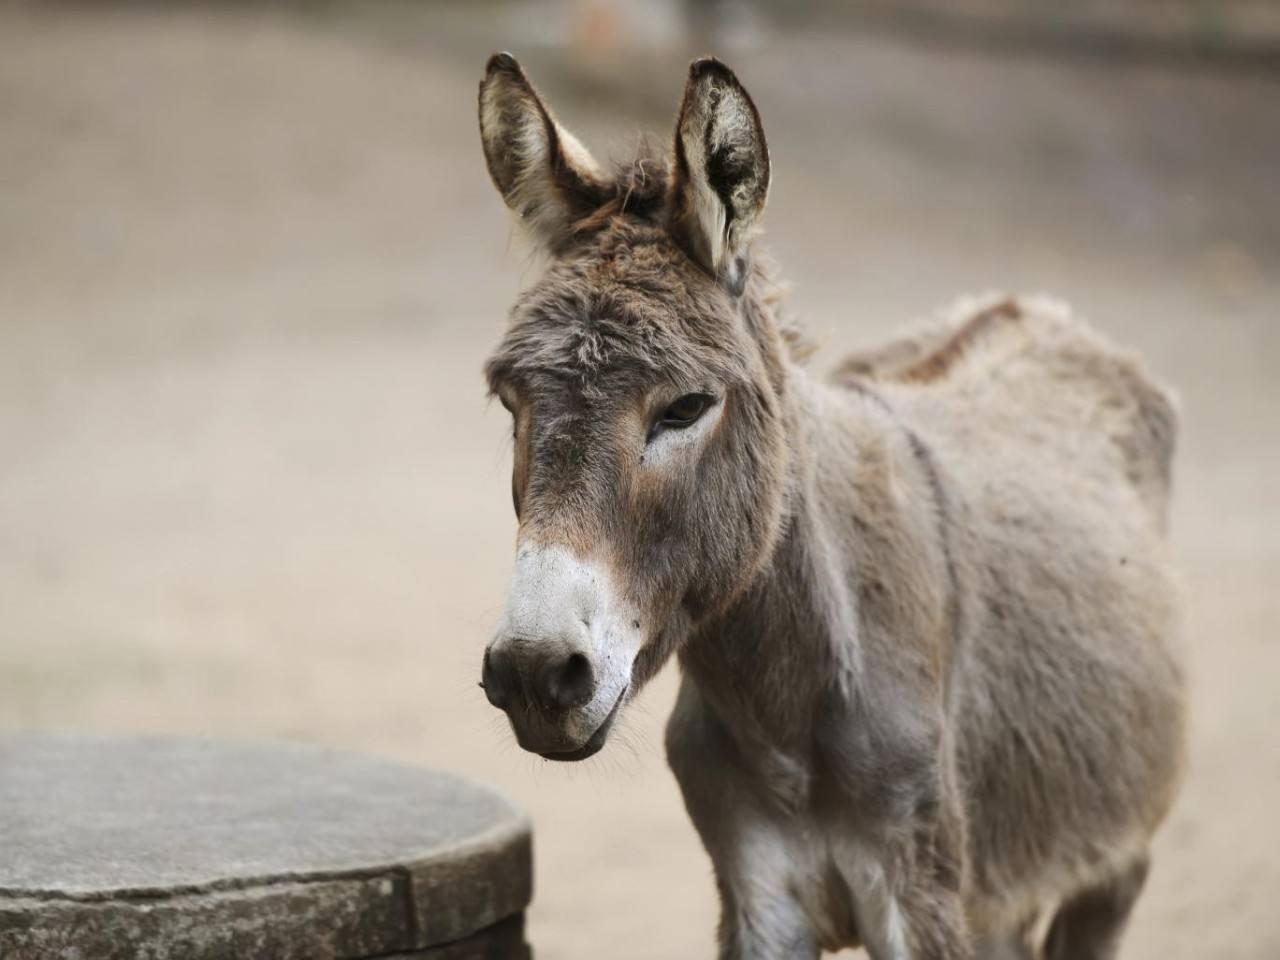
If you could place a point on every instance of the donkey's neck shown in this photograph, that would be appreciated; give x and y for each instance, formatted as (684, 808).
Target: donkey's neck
(756, 659)
(859, 519)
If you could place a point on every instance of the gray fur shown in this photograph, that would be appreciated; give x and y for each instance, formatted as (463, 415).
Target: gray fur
(922, 609)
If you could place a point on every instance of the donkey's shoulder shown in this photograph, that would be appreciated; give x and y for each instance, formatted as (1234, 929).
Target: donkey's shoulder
(1031, 363)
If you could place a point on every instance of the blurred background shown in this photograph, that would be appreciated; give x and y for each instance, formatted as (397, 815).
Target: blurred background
(251, 263)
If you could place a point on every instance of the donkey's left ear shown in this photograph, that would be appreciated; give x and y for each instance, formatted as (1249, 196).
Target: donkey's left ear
(546, 176)
(721, 172)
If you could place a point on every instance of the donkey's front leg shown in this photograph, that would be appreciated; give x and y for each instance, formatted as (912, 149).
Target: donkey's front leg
(897, 822)
(760, 918)
(925, 922)
(907, 904)
(753, 855)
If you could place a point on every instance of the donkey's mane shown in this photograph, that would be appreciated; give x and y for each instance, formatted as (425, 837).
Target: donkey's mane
(638, 189)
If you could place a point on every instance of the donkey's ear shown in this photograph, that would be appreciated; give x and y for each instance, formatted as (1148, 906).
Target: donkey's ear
(721, 172)
(546, 176)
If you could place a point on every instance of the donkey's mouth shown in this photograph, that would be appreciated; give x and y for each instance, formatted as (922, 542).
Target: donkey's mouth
(597, 739)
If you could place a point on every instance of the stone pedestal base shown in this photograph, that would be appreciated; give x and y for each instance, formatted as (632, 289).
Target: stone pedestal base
(166, 849)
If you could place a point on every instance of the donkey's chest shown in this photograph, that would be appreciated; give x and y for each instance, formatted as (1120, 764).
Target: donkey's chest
(812, 813)
(828, 817)
(847, 766)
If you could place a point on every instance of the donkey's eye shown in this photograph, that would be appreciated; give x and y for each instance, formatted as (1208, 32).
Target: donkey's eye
(686, 410)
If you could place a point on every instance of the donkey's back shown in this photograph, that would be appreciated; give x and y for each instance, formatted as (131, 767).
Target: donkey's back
(1055, 449)
(1029, 379)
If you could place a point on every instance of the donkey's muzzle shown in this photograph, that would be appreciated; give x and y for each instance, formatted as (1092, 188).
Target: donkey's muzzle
(561, 661)
(518, 677)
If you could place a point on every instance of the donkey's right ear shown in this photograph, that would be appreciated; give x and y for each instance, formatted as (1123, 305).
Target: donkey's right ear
(546, 176)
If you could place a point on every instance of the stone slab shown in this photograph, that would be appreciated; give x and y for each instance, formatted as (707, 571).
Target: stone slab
(161, 847)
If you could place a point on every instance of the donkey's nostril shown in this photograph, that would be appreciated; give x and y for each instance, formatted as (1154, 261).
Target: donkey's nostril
(492, 683)
(570, 682)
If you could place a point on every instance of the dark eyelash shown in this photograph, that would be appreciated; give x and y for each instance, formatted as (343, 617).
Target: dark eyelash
(675, 418)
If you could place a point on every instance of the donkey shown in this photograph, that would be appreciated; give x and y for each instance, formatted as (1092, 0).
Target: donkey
(929, 699)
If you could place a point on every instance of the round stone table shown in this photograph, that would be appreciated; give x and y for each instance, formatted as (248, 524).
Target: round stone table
(172, 849)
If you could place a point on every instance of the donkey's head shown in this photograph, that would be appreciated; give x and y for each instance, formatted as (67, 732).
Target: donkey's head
(644, 376)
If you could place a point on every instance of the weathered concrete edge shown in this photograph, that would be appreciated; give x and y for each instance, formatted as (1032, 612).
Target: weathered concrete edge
(344, 918)
(475, 885)
(445, 896)
(504, 940)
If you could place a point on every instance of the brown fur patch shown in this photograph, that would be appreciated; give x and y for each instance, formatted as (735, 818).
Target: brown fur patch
(943, 358)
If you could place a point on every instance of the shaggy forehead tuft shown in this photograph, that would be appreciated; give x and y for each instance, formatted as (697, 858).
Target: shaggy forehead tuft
(627, 305)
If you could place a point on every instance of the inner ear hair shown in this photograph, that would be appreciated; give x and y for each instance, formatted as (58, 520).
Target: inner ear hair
(722, 172)
(547, 178)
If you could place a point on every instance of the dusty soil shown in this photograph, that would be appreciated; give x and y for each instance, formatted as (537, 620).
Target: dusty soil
(249, 484)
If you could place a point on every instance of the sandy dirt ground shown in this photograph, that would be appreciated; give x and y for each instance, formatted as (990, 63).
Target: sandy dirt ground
(250, 265)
